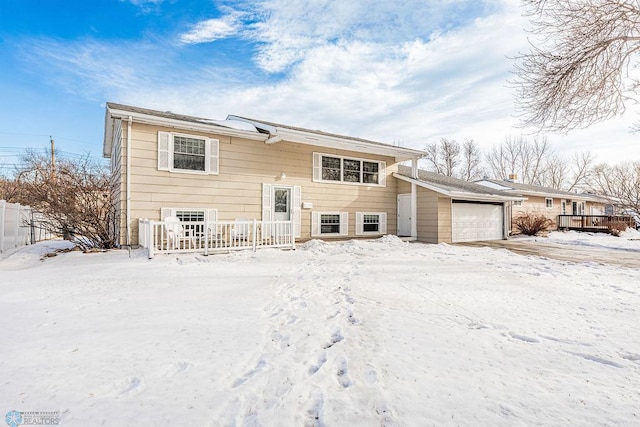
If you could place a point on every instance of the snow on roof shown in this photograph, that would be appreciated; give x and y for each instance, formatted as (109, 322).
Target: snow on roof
(451, 184)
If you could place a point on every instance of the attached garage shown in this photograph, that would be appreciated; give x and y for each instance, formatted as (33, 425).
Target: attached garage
(476, 221)
(450, 210)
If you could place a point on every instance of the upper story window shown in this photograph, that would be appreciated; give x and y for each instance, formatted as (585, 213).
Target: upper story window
(187, 153)
(332, 168)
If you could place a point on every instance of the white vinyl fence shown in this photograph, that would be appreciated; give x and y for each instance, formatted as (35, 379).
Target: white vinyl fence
(20, 226)
(209, 237)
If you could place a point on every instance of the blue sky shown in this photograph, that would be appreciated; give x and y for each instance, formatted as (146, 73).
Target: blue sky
(406, 72)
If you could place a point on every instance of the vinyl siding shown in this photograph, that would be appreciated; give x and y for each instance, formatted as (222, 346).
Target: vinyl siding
(237, 191)
(117, 176)
(434, 217)
(537, 205)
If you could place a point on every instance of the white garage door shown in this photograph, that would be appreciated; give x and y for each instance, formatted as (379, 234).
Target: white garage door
(475, 221)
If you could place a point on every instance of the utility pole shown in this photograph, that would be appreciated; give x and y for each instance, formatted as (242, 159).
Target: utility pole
(53, 158)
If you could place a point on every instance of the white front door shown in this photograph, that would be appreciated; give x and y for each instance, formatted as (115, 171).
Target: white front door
(404, 214)
(281, 203)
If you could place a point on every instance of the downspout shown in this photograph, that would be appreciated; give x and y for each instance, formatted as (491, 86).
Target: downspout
(414, 211)
(414, 200)
(273, 139)
(128, 188)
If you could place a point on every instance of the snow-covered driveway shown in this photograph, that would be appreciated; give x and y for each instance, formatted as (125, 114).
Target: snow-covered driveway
(351, 333)
(576, 247)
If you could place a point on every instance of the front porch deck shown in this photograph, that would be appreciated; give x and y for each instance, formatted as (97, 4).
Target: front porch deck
(597, 223)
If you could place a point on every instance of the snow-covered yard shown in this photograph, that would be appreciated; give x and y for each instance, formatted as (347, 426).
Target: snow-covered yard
(351, 333)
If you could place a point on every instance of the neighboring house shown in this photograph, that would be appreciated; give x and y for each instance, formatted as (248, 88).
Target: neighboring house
(171, 165)
(451, 210)
(548, 201)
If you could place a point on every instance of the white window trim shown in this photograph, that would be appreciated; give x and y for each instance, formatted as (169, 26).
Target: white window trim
(317, 170)
(211, 154)
(316, 224)
(382, 224)
(210, 214)
(295, 206)
(546, 204)
(517, 203)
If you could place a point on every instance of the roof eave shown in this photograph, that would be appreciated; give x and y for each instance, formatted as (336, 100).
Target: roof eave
(327, 141)
(399, 154)
(115, 113)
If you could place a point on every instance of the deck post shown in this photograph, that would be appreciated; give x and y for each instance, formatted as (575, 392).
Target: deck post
(255, 232)
(3, 210)
(206, 235)
(151, 238)
(293, 235)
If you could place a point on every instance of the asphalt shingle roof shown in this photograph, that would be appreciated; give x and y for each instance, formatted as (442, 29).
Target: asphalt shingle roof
(449, 183)
(518, 188)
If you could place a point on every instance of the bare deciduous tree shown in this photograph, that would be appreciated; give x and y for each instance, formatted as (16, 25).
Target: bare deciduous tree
(9, 190)
(521, 156)
(471, 168)
(578, 69)
(581, 164)
(556, 173)
(75, 199)
(619, 183)
(443, 157)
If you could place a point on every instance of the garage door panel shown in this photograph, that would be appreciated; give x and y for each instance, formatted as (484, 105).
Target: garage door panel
(475, 221)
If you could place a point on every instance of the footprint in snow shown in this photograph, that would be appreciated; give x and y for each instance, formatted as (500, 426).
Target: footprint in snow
(523, 338)
(336, 337)
(351, 318)
(333, 314)
(597, 359)
(314, 411)
(131, 385)
(320, 360)
(634, 357)
(342, 373)
(382, 410)
(246, 377)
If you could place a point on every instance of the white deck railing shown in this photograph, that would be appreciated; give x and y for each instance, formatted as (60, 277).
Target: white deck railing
(209, 237)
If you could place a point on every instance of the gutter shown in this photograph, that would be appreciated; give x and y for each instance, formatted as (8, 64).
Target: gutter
(173, 123)
(273, 139)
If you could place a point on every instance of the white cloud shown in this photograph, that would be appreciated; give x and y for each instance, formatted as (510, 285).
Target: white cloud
(347, 68)
(142, 3)
(212, 29)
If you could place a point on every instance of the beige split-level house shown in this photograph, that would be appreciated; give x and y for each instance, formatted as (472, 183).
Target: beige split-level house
(331, 186)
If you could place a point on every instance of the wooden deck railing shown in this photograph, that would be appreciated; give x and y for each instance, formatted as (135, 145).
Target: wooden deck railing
(208, 237)
(593, 222)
